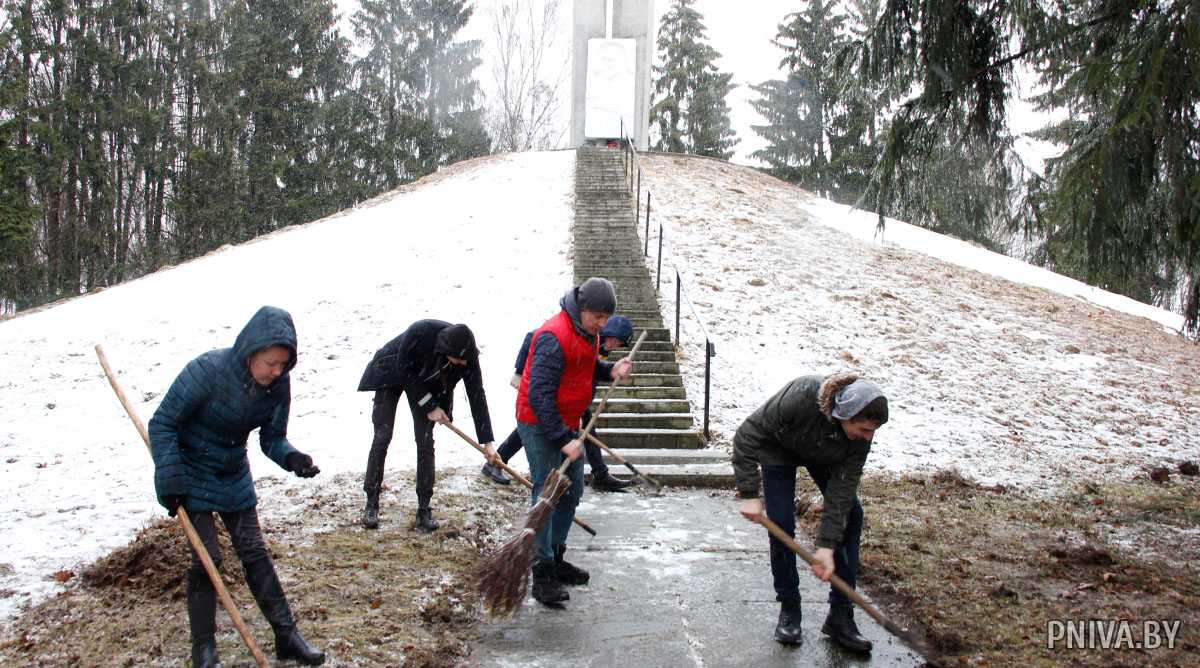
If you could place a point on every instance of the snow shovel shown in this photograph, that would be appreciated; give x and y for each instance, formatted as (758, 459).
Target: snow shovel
(638, 474)
(186, 523)
(906, 637)
(502, 578)
(521, 479)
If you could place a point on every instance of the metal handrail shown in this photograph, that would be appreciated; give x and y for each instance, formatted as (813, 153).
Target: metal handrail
(630, 160)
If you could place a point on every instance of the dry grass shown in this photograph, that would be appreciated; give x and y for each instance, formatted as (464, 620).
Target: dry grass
(983, 570)
(392, 597)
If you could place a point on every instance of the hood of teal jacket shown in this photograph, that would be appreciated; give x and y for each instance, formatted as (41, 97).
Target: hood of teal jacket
(270, 326)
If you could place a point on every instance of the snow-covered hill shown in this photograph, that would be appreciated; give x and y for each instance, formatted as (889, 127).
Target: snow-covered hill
(1006, 371)
(1005, 381)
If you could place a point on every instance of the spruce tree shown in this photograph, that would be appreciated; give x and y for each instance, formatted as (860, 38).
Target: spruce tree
(1120, 207)
(690, 110)
(816, 134)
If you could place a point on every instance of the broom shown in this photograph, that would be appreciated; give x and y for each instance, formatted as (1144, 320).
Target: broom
(193, 537)
(502, 578)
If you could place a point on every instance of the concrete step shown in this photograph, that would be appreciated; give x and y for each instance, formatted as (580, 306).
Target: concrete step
(649, 392)
(654, 380)
(649, 367)
(641, 457)
(631, 405)
(706, 476)
(644, 420)
(622, 437)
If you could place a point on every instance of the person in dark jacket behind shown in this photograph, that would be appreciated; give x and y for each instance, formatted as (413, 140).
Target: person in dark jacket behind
(198, 440)
(617, 332)
(825, 424)
(556, 387)
(426, 362)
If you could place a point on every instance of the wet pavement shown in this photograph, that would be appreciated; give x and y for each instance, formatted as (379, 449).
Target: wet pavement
(677, 580)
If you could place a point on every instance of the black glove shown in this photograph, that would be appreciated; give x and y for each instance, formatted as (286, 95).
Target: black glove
(172, 502)
(301, 464)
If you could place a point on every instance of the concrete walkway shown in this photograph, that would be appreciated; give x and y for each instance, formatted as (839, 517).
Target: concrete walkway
(677, 580)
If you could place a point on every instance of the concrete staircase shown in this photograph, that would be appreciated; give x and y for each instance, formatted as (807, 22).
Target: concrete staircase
(648, 420)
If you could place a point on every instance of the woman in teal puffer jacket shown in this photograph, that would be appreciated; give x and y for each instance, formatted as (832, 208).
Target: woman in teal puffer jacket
(198, 438)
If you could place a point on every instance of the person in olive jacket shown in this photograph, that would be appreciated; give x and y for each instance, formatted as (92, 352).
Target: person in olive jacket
(426, 362)
(825, 424)
(198, 440)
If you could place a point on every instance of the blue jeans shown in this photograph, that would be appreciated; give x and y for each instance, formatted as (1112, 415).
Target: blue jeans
(595, 458)
(779, 502)
(544, 457)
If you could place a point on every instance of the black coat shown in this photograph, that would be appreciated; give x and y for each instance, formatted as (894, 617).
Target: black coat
(410, 362)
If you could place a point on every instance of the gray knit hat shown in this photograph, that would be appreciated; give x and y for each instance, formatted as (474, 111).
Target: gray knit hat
(854, 398)
(597, 294)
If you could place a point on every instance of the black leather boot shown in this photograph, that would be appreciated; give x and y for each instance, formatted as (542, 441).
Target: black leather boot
(495, 474)
(268, 592)
(425, 519)
(289, 644)
(546, 588)
(787, 631)
(566, 572)
(202, 618)
(840, 626)
(610, 483)
(370, 516)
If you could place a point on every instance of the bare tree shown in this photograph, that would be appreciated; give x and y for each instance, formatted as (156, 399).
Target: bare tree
(530, 68)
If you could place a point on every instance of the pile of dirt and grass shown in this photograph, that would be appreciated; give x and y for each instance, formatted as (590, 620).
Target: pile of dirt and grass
(392, 597)
(989, 573)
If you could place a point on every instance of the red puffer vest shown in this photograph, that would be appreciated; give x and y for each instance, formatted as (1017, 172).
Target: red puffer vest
(575, 388)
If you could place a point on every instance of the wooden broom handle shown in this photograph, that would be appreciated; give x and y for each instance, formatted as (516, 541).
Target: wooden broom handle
(506, 467)
(186, 523)
(837, 582)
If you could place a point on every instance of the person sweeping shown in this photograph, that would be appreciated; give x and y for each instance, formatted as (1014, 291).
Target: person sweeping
(617, 333)
(556, 388)
(426, 361)
(198, 441)
(825, 424)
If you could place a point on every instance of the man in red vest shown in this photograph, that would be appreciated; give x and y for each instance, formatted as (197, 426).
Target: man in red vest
(556, 388)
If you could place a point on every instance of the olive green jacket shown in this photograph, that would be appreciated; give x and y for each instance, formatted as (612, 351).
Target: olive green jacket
(795, 428)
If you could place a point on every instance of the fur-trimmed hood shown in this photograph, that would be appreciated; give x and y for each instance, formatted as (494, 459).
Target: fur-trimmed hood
(829, 389)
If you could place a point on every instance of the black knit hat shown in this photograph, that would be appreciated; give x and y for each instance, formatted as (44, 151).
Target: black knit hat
(456, 341)
(597, 294)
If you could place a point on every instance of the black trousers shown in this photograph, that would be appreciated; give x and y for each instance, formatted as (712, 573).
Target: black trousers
(383, 417)
(244, 532)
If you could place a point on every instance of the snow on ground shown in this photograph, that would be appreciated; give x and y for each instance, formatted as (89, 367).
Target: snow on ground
(993, 366)
(483, 242)
(1006, 381)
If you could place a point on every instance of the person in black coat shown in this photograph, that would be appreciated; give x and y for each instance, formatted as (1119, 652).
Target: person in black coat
(198, 441)
(425, 362)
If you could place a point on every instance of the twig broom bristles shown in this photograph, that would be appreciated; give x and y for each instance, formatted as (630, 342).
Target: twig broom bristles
(502, 578)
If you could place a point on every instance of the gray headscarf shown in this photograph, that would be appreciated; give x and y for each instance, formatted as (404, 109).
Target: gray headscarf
(855, 397)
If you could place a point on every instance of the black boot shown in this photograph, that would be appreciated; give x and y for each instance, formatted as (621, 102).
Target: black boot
(425, 519)
(268, 592)
(546, 588)
(370, 516)
(787, 631)
(495, 474)
(609, 483)
(840, 626)
(566, 572)
(289, 644)
(202, 618)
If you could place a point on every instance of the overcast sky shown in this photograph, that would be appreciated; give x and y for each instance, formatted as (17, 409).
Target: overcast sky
(741, 31)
